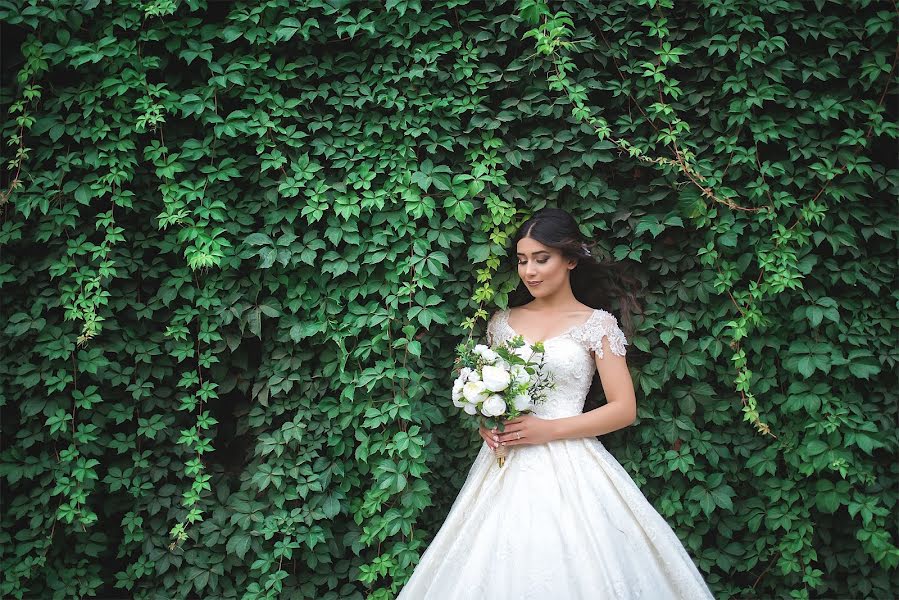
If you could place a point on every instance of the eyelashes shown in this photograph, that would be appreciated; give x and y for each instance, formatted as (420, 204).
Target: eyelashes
(539, 262)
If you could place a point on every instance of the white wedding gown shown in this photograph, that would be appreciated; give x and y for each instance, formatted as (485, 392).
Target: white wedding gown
(561, 520)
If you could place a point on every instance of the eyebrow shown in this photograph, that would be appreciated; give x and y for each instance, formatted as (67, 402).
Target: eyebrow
(533, 253)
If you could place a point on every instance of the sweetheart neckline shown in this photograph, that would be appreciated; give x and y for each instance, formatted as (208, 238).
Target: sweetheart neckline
(549, 339)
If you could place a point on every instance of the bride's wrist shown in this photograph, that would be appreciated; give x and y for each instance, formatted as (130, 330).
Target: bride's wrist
(556, 429)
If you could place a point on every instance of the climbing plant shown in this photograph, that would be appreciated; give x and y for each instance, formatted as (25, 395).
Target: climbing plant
(240, 241)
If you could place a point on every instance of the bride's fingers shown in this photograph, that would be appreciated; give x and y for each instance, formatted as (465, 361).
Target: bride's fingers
(513, 428)
(516, 442)
(491, 433)
(489, 438)
(512, 436)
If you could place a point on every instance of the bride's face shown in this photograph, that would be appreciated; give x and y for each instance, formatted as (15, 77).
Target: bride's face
(543, 269)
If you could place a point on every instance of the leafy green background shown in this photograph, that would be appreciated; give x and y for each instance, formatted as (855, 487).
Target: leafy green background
(241, 240)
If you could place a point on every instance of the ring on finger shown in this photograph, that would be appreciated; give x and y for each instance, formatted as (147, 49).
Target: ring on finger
(519, 436)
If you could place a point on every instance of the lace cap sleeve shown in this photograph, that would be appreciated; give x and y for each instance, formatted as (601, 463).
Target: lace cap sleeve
(605, 324)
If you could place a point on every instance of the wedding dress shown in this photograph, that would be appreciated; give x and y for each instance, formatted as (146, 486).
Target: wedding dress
(561, 520)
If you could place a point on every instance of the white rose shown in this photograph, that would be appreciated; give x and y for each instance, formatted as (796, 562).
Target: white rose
(524, 352)
(495, 379)
(520, 374)
(474, 391)
(470, 408)
(493, 406)
(480, 349)
(465, 374)
(490, 356)
(522, 402)
(457, 392)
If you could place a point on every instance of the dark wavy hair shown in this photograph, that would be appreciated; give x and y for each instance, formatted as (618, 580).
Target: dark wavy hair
(597, 282)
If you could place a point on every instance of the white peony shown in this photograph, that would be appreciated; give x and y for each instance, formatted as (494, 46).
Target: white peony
(465, 374)
(470, 408)
(520, 374)
(490, 356)
(522, 402)
(524, 352)
(493, 406)
(495, 379)
(474, 391)
(457, 392)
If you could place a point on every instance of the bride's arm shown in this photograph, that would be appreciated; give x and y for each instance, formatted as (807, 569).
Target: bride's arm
(619, 412)
(606, 340)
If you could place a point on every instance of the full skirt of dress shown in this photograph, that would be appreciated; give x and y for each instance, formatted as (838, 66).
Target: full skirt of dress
(560, 521)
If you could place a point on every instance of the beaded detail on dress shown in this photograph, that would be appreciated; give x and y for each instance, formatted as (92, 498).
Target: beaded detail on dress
(600, 323)
(569, 359)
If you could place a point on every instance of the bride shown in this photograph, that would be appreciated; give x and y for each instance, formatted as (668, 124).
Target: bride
(562, 519)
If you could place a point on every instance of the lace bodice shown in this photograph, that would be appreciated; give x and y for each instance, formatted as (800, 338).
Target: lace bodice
(568, 357)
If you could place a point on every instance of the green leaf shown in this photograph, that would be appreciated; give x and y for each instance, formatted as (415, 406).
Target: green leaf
(238, 544)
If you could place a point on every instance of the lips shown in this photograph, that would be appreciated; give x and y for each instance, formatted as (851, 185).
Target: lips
(533, 283)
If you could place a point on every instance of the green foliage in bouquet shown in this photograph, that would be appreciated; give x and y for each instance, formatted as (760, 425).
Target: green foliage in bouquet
(471, 355)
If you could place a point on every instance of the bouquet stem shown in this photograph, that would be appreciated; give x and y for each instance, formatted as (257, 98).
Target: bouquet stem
(501, 452)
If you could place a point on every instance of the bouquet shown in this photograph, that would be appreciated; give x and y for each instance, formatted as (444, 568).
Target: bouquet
(497, 385)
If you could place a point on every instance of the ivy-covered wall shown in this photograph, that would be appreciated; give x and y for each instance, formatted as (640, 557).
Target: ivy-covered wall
(239, 242)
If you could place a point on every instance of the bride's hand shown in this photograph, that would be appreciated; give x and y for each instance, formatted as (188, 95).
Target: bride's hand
(488, 437)
(533, 430)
